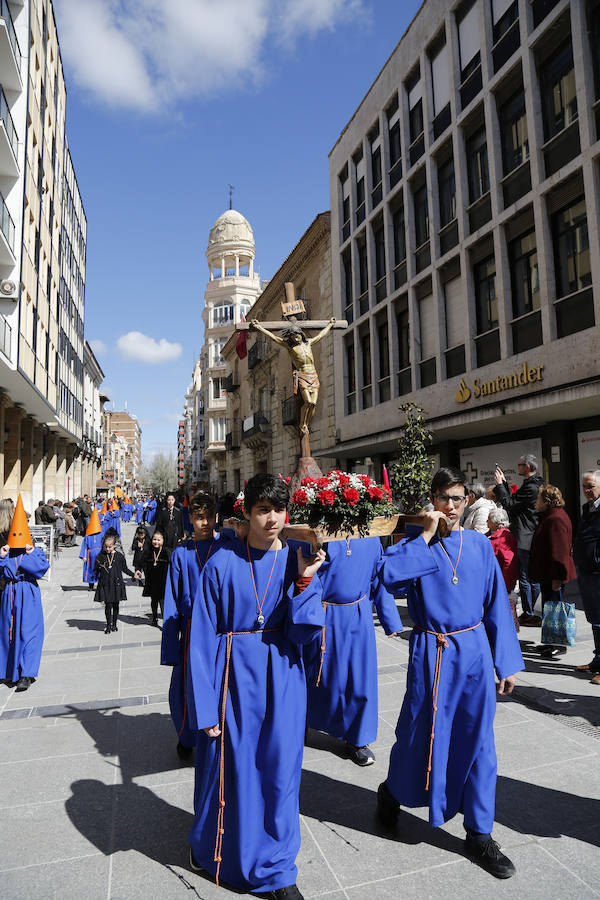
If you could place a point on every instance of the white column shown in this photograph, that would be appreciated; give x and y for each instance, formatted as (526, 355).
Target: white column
(251, 267)
(237, 265)
(211, 274)
(222, 267)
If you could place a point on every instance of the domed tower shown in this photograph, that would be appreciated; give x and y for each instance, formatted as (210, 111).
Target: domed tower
(231, 292)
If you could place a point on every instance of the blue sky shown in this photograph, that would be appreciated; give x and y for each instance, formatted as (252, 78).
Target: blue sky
(167, 104)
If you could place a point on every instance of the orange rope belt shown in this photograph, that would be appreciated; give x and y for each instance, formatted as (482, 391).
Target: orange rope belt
(442, 643)
(221, 813)
(327, 603)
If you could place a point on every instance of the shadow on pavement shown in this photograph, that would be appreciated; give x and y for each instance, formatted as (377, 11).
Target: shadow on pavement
(74, 587)
(559, 703)
(88, 624)
(546, 812)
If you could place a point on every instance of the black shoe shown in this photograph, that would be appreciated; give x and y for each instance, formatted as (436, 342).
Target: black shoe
(193, 864)
(530, 619)
(490, 857)
(552, 652)
(154, 622)
(290, 892)
(24, 683)
(362, 756)
(388, 807)
(114, 627)
(184, 753)
(107, 630)
(91, 587)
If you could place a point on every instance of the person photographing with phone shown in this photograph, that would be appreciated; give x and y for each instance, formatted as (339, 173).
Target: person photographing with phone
(444, 756)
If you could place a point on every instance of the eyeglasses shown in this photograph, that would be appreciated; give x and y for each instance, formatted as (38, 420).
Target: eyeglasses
(445, 499)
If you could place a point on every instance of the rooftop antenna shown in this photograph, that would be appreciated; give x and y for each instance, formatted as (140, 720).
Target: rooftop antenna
(231, 190)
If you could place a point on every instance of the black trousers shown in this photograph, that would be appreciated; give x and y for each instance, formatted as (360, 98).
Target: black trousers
(111, 611)
(154, 604)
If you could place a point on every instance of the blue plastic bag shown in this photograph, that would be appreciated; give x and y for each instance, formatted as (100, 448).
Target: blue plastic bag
(559, 625)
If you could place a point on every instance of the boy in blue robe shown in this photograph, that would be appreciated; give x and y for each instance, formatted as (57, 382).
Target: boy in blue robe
(91, 546)
(21, 615)
(341, 667)
(444, 756)
(258, 605)
(183, 585)
(139, 512)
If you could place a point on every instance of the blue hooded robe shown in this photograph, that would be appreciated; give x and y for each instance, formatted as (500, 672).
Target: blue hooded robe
(261, 745)
(463, 761)
(91, 546)
(21, 615)
(182, 587)
(344, 704)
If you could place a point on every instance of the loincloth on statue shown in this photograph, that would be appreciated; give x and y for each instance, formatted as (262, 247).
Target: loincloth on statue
(307, 380)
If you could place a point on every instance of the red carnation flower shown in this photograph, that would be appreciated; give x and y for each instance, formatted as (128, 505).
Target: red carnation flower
(364, 479)
(322, 482)
(351, 496)
(238, 507)
(375, 493)
(308, 481)
(343, 479)
(326, 498)
(513, 488)
(300, 497)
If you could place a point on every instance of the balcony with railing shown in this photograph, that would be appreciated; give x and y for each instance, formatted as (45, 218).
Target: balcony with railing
(289, 411)
(257, 353)
(233, 438)
(10, 52)
(9, 143)
(256, 423)
(7, 237)
(232, 382)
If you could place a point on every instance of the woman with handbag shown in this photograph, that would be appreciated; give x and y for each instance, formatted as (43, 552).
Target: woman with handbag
(551, 565)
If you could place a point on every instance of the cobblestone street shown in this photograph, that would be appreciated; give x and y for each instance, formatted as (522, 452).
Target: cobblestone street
(96, 804)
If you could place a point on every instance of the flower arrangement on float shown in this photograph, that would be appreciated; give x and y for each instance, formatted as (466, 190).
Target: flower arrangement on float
(341, 502)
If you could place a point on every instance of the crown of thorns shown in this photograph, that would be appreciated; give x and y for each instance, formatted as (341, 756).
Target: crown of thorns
(288, 333)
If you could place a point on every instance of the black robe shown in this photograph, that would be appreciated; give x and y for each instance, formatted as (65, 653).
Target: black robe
(110, 588)
(156, 575)
(140, 553)
(171, 526)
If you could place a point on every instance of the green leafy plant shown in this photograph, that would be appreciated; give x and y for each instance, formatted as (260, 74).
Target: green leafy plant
(412, 469)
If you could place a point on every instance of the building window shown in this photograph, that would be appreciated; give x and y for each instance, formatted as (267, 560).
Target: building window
(440, 79)
(506, 37)
(359, 171)
(421, 215)
(350, 378)
(559, 98)
(447, 191)
(524, 275)
(467, 19)
(345, 198)
(222, 314)
(218, 388)
(403, 338)
(380, 267)
(395, 150)
(376, 186)
(365, 352)
(414, 89)
(484, 273)
(347, 284)
(363, 276)
(477, 165)
(383, 347)
(571, 249)
(513, 130)
(399, 230)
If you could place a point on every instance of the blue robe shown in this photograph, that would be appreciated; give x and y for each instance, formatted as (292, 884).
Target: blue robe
(111, 520)
(345, 702)
(183, 585)
(463, 773)
(265, 713)
(21, 615)
(185, 519)
(91, 546)
(139, 513)
(151, 512)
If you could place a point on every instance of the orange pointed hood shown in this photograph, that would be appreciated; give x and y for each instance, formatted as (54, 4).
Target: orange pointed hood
(103, 510)
(114, 506)
(94, 526)
(19, 534)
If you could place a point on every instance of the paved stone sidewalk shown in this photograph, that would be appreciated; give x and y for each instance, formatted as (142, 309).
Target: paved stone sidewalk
(95, 803)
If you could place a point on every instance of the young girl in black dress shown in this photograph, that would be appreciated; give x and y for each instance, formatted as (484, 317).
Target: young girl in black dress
(109, 567)
(140, 547)
(155, 567)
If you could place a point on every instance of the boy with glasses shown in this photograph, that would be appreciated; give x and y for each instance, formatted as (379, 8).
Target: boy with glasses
(444, 756)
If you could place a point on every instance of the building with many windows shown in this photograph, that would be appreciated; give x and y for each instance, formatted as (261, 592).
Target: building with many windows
(465, 196)
(42, 264)
(231, 291)
(123, 424)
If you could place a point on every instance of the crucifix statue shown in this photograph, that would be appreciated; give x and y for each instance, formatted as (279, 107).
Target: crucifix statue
(304, 373)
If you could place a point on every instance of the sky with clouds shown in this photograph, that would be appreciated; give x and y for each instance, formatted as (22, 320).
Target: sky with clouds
(169, 103)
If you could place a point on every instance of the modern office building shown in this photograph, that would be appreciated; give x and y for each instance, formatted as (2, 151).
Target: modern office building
(465, 197)
(42, 264)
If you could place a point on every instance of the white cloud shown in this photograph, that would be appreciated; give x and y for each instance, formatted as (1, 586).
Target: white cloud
(141, 54)
(137, 346)
(98, 347)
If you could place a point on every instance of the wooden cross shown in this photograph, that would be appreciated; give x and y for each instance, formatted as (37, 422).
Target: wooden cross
(292, 305)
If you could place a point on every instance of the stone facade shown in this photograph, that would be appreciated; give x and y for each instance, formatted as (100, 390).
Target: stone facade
(261, 411)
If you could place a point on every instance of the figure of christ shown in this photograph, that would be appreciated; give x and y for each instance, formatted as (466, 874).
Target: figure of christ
(304, 372)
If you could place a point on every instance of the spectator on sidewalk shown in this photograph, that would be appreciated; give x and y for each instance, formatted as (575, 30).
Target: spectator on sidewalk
(7, 510)
(48, 515)
(70, 526)
(38, 513)
(85, 509)
(479, 509)
(505, 550)
(586, 552)
(524, 518)
(551, 555)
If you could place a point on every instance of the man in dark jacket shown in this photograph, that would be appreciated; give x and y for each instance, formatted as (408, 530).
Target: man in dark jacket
(85, 509)
(524, 518)
(169, 521)
(38, 513)
(586, 551)
(48, 516)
